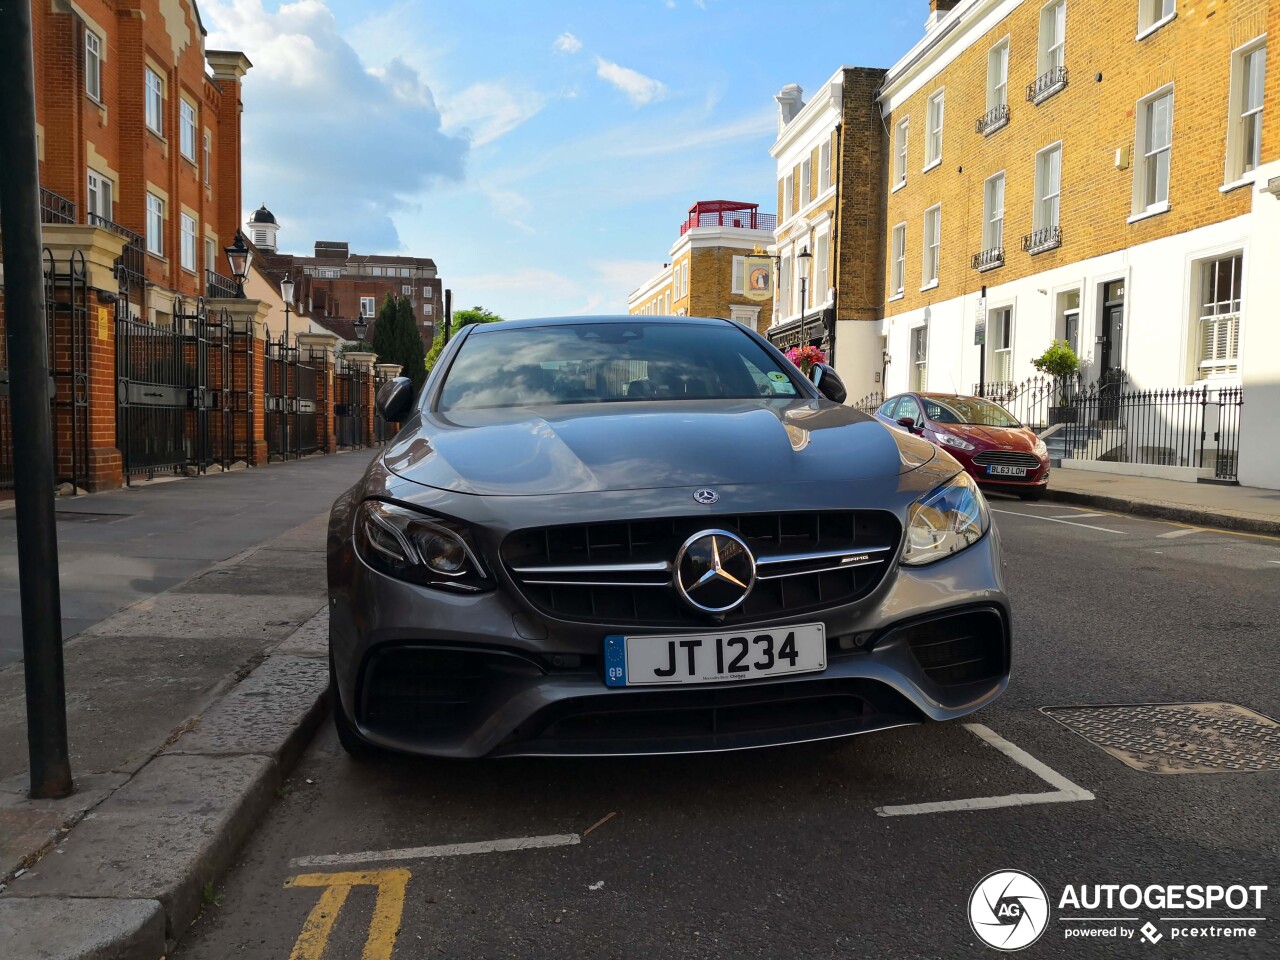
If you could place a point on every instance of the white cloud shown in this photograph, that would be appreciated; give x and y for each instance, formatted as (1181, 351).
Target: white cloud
(485, 111)
(528, 280)
(638, 88)
(335, 146)
(567, 43)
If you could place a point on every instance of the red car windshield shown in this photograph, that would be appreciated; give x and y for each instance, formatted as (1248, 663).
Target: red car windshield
(968, 410)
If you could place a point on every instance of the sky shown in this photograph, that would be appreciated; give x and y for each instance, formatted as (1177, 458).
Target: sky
(542, 153)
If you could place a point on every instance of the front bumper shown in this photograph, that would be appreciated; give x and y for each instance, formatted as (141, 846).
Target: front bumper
(431, 673)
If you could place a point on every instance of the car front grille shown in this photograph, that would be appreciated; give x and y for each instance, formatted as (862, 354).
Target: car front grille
(960, 648)
(622, 573)
(1007, 458)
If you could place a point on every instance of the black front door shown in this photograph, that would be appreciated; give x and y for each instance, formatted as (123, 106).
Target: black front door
(1111, 340)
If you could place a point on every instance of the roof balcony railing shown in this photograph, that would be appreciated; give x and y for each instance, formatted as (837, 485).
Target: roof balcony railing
(55, 208)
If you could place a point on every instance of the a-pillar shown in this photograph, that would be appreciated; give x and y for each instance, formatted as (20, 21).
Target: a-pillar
(249, 372)
(100, 248)
(366, 362)
(322, 347)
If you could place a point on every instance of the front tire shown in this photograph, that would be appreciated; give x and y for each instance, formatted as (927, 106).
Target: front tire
(355, 745)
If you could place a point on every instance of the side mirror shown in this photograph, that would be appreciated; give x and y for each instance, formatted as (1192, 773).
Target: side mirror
(907, 423)
(395, 399)
(828, 382)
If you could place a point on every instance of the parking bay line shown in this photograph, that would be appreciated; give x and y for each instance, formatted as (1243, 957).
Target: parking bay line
(444, 850)
(1177, 533)
(1066, 791)
(1015, 513)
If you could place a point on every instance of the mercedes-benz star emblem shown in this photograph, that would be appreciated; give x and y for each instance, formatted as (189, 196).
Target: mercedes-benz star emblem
(714, 571)
(706, 496)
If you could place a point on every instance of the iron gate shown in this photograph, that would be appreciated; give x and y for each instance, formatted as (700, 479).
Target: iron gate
(279, 361)
(350, 384)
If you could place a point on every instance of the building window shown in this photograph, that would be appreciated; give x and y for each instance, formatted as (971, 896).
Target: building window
(406, 289)
(366, 307)
(1153, 14)
(993, 217)
(1053, 37)
(187, 251)
(824, 166)
(898, 269)
(426, 293)
(784, 287)
(900, 151)
(1048, 187)
(1155, 139)
(210, 254)
(933, 136)
(932, 245)
(919, 359)
(998, 76)
(806, 183)
(737, 282)
(788, 194)
(155, 225)
(1220, 303)
(155, 101)
(1244, 139)
(101, 191)
(1000, 344)
(187, 130)
(427, 310)
(684, 279)
(1068, 325)
(821, 273)
(208, 157)
(93, 64)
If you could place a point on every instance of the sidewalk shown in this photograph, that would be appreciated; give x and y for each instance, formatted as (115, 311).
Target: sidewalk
(1250, 509)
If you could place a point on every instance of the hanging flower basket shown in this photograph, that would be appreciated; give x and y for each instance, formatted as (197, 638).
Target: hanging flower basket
(806, 357)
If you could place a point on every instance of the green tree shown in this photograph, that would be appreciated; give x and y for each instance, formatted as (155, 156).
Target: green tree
(384, 330)
(396, 339)
(463, 318)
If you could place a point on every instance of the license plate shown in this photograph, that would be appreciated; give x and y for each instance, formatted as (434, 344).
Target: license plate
(714, 657)
(1000, 470)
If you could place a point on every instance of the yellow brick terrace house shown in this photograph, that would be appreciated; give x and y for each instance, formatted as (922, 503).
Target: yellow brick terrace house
(1109, 171)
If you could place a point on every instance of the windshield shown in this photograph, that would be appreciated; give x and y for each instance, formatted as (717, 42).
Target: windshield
(968, 410)
(609, 363)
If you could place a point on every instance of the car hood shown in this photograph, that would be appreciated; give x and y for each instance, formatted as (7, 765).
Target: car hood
(1002, 438)
(639, 445)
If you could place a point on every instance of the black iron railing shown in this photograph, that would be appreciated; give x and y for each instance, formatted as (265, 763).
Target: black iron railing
(1047, 84)
(989, 259)
(131, 265)
(216, 285)
(1037, 402)
(55, 208)
(871, 402)
(1046, 238)
(992, 120)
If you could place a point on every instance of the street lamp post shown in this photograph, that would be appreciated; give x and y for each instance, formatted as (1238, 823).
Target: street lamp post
(804, 260)
(361, 326)
(286, 292)
(239, 256)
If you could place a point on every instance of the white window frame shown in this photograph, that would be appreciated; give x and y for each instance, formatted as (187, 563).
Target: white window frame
(1239, 167)
(919, 345)
(1146, 163)
(187, 129)
(1154, 14)
(93, 65)
(187, 243)
(784, 287)
(154, 92)
(898, 263)
(737, 280)
(998, 75)
(935, 117)
(368, 307)
(993, 212)
(428, 309)
(1209, 304)
(824, 167)
(931, 258)
(207, 147)
(789, 194)
(427, 293)
(155, 225)
(806, 183)
(100, 196)
(901, 135)
(210, 254)
(1047, 211)
(821, 267)
(1000, 350)
(406, 289)
(1053, 26)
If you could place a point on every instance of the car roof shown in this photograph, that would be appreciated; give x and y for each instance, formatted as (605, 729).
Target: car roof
(611, 318)
(951, 396)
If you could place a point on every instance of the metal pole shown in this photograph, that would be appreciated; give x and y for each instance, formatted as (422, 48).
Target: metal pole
(29, 396)
(804, 333)
(448, 314)
(982, 350)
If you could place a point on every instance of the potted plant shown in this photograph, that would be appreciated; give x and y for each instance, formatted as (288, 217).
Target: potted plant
(805, 357)
(1061, 363)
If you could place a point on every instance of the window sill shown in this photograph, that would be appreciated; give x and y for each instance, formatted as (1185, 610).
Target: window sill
(190, 160)
(157, 134)
(931, 164)
(190, 270)
(929, 286)
(897, 296)
(1247, 180)
(158, 257)
(998, 125)
(1148, 31)
(1153, 211)
(1041, 98)
(898, 186)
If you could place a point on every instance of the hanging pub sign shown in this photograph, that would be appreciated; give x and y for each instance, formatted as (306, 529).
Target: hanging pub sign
(758, 272)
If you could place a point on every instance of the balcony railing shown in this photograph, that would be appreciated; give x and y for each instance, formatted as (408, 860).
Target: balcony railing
(993, 120)
(1038, 241)
(216, 285)
(131, 264)
(55, 208)
(742, 219)
(988, 259)
(1047, 84)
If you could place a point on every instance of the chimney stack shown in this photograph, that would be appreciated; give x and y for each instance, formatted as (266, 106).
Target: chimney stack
(938, 10)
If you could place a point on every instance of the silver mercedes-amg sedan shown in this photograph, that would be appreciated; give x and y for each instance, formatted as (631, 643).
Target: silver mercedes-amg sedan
(626, 535)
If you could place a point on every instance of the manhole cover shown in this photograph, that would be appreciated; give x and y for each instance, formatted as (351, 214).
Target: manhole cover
(1179, 737)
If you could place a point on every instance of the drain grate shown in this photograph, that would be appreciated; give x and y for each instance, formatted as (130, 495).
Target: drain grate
(1178, 737)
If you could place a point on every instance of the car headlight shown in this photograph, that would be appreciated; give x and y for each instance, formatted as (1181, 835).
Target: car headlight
(419, 548)
(1040, 449)
(955, 443)
(952, 517)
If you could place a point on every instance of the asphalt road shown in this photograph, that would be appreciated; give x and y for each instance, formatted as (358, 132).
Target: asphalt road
(800, 852)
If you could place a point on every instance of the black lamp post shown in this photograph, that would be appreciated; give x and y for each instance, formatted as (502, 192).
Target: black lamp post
(239, 256)
(804, 259)
(361, 326)
(286, 292)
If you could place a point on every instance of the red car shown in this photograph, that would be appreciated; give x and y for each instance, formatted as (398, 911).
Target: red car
(997, 450)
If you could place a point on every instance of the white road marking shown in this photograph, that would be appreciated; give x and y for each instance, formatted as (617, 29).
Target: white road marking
(1076, 516)
(1177, 533)
(445, 850)
(1032, 516)
(1273, 561)
(1066, 792)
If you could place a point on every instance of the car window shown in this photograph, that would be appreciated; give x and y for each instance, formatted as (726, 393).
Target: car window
(610, 363)
(971, 410)
(888, 408)
(939, 413)
(907, 407)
